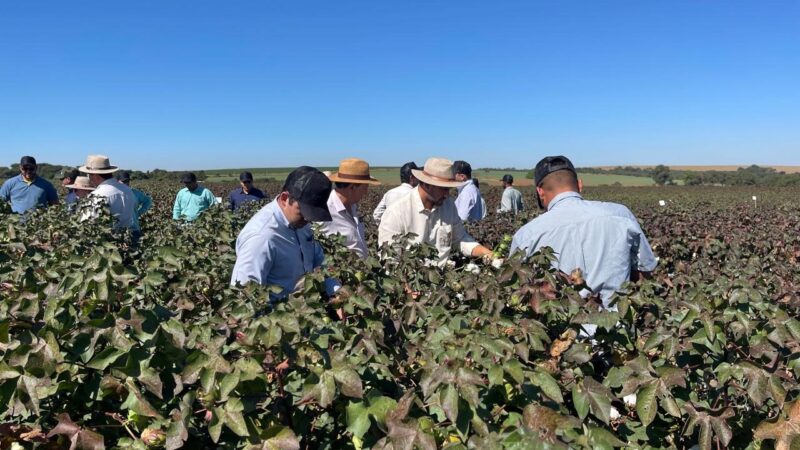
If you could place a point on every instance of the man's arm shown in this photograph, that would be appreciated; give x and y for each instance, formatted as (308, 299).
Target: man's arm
(231, 202)
(211, 200)
(176, 208)
(505, 202)
(253, 261)
(52, 194)
(145, 203)
(391, 226)
(379, 210)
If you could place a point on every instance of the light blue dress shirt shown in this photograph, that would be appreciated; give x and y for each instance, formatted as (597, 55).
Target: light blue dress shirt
(24, 196)
(468, 203)
(143, 202)
(270, 252)
(603, 239)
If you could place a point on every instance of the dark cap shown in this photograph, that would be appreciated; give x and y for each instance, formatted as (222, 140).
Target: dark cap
(246, 176)
(311, 188)
(27, 161)
(507, 178)
(552, 164)
(69, 173)
(124, 175)
(188, 177)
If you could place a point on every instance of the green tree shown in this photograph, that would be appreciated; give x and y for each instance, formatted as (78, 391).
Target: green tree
(661, 175)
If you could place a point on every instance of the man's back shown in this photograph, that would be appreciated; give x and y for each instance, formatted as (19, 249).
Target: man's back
(468, 203)
(603, 239)
(388, 198)
(121, 203)
(511, 200)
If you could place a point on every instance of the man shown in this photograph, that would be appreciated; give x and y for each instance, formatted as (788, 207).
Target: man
(407, 182)
(468, 201)
(603, 240)
(430, 213)
(351, 183)
(119, 198)
(68, 177)
(245, 193)
(80, 188)
(192, 200)
(512, 198)
(276, 247)
(27, 190)
(143, 201)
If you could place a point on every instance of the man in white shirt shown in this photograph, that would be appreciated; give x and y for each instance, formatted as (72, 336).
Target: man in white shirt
(468, 201)
(350, 184)
(430, 213)
(407, 182)
(120, 198)
(512, 198)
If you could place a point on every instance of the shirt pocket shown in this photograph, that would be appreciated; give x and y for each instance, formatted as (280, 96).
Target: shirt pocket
(444, 236)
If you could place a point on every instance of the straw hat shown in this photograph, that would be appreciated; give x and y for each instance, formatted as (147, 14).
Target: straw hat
(98, 164)
(81, 184)
(353, 170)
(438, 172)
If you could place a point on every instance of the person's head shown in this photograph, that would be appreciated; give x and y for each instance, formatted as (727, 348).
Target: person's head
(98, 168)
(304, 197)
(27, 167)
(124, 177)
(246, 180)
(405, 173)
(554, 175)
(68, 176)
(508, 180)
(189, 180)
(352, 180)
(82, 186)
(435, 180)
(462, 170)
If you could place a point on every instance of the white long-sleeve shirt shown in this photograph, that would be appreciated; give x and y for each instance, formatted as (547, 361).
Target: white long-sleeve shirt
(346, 223)
(388, 198)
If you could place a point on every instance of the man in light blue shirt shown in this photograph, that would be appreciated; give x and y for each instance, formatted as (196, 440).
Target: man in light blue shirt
(192, 199)
(277, 246)
(512, 198)
(28, 190)
(468, 202)
(603, 240)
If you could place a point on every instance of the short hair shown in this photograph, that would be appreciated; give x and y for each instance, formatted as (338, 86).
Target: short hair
(463, 168)
(341, 185)
(105, 176)
(476, 182)
(559, 179)
(405, 171)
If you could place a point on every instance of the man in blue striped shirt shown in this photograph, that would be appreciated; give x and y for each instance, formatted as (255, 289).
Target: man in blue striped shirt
(603, 240)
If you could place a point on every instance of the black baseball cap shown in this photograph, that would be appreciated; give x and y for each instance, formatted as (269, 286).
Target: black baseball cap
(552, 164)
(27, 161)
(311, 188)
(245, 176)
(69, 173)
(507, 178)
(188, 177)
(124, 175)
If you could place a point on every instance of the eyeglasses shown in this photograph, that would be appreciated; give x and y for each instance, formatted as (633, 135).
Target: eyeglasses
(28, 168)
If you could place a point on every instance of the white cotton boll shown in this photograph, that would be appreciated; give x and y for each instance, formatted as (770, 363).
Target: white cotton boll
(473, 268)
(630, 400)
(613, 414)
(496, 263)
(460, 297)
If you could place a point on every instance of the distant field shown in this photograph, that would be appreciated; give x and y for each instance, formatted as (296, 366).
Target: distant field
(787, 169)
(391, 176)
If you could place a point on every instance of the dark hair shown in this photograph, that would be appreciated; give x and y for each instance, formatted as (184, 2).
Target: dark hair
(341, 185)
(476, 183)
(105, 176)
(405, 171)
(463, 168)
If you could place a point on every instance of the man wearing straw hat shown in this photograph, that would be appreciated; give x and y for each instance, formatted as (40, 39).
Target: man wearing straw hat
(350, 184)
(80, 187)
(120, 199)
(429, 212)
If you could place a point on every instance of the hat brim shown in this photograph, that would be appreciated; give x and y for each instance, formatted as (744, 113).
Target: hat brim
(315, 213)
(336, 178)
(80, 188)
(85, 169)
(425, 178)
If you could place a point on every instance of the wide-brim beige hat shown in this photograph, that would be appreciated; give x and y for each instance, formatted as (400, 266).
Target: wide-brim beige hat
(438, 172)
(353, 170)
(98, 164)
(81, 184)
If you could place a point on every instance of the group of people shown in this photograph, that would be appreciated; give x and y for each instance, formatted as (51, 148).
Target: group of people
(277, 246)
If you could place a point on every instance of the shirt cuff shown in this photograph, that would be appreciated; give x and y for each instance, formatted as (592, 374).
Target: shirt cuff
(468, 247)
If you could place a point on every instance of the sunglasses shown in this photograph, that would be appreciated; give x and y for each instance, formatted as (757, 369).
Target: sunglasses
(29, 168)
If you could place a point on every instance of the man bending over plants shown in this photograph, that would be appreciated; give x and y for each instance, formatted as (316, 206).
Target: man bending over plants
(276, 247)
(602, 239)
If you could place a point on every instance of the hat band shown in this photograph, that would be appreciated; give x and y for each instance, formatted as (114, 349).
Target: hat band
(438, 178)
(98, 168)
(353, 177)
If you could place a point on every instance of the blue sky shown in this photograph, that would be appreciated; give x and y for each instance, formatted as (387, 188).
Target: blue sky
(210, 84)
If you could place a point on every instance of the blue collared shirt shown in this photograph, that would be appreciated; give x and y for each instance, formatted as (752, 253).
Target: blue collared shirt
(270, 252)
(70, 198)
(143, 202)
(468, 202)
(603, 239)
(24, 196)
(237, 198)
(190, 204)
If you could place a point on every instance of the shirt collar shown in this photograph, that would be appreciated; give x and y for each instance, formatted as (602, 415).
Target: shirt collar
(278, 213)
(467, 183)
(335, 203)
(562, 196)
(418, 205)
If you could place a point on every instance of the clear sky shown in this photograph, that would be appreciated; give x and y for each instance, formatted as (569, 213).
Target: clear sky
(210, 84)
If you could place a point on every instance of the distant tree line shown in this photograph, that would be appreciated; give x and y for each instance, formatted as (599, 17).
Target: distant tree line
(53, 172)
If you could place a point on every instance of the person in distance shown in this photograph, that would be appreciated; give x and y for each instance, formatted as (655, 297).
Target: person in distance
(28, 190)
(68, 178)
(512, 198)
(468, 202)
(120, 199)
(407, 182)
(192, 200)
(351, 183)
(245, 193)
(602, 239)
